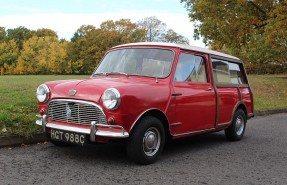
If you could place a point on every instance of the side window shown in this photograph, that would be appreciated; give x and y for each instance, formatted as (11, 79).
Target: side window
(227, 72)
(190, 68)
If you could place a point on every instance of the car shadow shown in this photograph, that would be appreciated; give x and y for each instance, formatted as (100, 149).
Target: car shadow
(116, 153)
(193, 144)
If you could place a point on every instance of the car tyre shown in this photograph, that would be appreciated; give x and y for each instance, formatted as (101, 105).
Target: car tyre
(237, 128)
(146, 141)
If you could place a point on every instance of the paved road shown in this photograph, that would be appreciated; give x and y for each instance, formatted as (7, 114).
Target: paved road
(260, 158)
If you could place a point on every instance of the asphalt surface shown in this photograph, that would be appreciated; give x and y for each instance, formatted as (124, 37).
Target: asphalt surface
(259, 158)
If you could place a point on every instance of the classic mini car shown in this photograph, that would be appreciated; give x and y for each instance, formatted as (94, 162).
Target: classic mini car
(146, 93)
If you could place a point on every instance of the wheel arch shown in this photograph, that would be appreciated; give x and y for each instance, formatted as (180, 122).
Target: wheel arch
(241, 106)
(157, 114)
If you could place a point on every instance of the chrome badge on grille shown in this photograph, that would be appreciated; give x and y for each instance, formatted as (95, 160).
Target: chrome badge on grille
(68, 112)
(72, 92)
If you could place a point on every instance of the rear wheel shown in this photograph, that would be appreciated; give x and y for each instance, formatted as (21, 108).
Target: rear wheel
(237, 128)
(146, 141)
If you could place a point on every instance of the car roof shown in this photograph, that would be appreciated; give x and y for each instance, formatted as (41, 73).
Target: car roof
(181, 46)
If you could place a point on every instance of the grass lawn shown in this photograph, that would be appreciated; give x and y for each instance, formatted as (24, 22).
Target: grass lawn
(270, 91)
(18, 104)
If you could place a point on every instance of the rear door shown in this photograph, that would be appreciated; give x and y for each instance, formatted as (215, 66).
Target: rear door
(232, 88)
(194, 94)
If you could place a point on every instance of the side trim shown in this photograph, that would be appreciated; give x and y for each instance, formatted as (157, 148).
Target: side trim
(175, 124)
(215, 90)
(223, 124)
(239, 94)
(195, 132)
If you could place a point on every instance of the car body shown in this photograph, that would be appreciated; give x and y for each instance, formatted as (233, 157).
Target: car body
(145, 93)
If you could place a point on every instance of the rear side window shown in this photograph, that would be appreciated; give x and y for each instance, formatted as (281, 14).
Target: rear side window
(227, 72)
(190, 68)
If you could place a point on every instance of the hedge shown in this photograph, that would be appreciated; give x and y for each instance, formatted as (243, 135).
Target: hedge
(266, 68)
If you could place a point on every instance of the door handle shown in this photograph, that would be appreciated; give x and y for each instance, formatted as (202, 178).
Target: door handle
(176, 94)
(209, 89)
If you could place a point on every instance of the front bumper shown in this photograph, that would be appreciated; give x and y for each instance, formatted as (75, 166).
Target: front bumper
(109, 131)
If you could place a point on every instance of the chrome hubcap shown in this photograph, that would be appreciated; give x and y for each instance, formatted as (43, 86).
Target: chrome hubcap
(151, 141)
(239, 125)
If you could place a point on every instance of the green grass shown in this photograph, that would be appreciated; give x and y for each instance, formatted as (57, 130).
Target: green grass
(270, 91)
(18, 104)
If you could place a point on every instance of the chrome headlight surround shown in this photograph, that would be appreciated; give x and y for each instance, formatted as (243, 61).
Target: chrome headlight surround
(43, 93)
(111, 99)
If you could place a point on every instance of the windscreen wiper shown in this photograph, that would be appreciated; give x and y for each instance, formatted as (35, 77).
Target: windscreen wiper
(117, 73)
(110, 73)
(100, 73)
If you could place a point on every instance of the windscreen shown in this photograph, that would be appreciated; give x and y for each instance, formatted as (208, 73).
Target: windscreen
(150, 62)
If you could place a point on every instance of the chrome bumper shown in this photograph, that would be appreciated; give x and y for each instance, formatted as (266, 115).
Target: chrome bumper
(93, 131)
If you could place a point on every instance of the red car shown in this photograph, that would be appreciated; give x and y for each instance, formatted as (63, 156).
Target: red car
(146, 93)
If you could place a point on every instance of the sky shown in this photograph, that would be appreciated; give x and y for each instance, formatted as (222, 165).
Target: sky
(66, 16)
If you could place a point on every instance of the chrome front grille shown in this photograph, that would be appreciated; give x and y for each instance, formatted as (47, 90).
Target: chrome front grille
(75, 111)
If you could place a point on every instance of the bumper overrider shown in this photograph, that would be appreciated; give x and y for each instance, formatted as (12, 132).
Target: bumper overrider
(109, 131)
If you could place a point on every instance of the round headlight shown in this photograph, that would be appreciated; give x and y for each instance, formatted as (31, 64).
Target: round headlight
(111, 99)
(42, 93)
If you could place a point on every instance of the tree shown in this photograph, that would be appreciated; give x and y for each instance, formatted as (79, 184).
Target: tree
(83, 31)
(173, 37)
(83, 50)
(89, 44)
(155, 31)
(42, 56)
(20, 35)
(154, 28)
(2, 34)
(8, 56)
(242, 25)
(125, 30)
(44, 32)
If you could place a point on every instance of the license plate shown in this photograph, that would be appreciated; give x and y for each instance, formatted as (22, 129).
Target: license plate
(68, 137)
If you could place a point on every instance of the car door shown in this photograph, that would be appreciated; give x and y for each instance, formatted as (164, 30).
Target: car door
(194, 94)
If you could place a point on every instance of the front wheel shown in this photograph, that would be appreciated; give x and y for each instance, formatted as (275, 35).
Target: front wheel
(146, 141)
(236, 130)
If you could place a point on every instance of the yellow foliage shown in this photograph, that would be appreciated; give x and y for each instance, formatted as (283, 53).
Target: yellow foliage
(45, 55)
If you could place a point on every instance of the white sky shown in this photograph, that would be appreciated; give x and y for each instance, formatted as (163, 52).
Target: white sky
(66, 16)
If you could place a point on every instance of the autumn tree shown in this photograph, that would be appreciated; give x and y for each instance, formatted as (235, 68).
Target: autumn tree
(8, 56)
(124, 31)
(2, 34)
(82, 50)
(42, 56)
(89, 44)
(254, 30)
(20, 35)
(44, 32)
(173, 37)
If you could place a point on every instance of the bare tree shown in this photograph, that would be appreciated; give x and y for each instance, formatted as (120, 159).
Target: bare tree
(154, 28)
